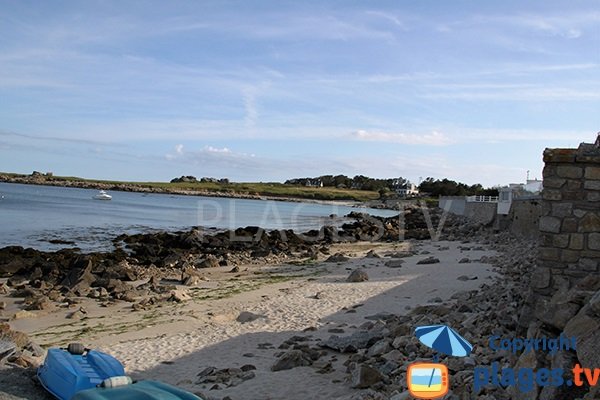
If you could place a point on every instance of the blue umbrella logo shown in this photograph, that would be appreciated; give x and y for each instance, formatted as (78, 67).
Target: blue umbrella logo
(444, 339)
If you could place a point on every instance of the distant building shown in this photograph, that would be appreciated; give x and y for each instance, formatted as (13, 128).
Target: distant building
(531, 189)
(407, 190)
(313, 183)
(533, 186)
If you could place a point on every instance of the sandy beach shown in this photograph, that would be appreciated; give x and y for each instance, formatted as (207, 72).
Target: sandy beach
(176, 341)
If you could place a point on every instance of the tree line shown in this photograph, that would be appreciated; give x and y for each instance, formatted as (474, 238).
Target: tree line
(430, 186)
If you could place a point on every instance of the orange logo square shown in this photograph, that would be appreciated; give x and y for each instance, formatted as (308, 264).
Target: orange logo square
(427, 380)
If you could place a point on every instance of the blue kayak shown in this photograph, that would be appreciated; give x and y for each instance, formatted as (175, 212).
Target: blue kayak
(80, 374)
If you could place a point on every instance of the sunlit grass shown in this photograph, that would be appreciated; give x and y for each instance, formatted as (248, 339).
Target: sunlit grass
(271, 189)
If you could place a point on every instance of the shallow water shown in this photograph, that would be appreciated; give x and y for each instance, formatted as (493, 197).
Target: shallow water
(32, 215)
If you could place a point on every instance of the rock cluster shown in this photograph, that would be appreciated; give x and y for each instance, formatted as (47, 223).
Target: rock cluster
(379, 351)
(17, 349)
(45, 279)
(227, 377)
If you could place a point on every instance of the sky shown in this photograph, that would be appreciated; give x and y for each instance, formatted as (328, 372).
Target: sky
(270, 90)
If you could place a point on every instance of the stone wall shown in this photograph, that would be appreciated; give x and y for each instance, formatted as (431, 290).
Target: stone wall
(524, 218)
(565, 295)
(481, 212)
(570, 221)
(453, 204)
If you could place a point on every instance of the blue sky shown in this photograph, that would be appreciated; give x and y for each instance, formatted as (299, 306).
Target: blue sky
(269, 90)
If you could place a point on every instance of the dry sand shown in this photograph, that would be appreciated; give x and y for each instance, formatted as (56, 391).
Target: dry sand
(176, 341)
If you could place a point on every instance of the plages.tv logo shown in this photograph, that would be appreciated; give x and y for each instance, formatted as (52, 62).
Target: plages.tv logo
(430, 380)
(427, 380)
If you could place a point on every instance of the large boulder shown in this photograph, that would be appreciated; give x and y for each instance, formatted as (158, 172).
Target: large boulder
(80, 277)
(210, 261)
(365, 376)
(291, 359)
(358, 275)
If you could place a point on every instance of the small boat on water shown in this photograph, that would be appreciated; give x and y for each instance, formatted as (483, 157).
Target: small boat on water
(102, 195)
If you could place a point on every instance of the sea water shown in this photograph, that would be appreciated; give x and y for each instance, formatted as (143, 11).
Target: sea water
(36, 216)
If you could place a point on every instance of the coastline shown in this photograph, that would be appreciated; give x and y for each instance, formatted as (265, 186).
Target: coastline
(153, 187)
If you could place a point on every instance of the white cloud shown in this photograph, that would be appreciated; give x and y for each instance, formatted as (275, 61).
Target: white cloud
(211, 149)
(429, 139)
(251, 116)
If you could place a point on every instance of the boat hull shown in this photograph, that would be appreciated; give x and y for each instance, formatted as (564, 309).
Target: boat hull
(143, 390)
(63, 374)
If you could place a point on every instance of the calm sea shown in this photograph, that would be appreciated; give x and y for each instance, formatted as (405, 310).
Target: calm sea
(32, 216)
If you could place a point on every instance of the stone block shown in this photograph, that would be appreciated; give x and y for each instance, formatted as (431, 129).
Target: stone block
(582, 324)
(562, 210)
(588, 264)
(573, 184)
(550, 224)
(556, 314)
(569, 171)
(561, 240)
(590, 159)
(575, 275)
(593, 196)
(551, 195)
(549, 254)
(570, 225)
(570, 256)
(590, 254)
(592, 185)
(559, 155)
(588, 349)
(554, 183)
(546, 240)
(592, 173)
(589, 223)
(594, 241)
(549, 172)
(541, 278)
(577, 241)
(573, 195)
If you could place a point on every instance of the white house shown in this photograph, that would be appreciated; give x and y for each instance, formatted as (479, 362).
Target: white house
(314, 183)
(532, 188)
(407, 190)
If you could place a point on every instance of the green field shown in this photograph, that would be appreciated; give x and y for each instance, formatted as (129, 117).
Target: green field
(273, 189)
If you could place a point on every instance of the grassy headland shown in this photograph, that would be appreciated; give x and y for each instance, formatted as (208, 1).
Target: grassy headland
(231, 189)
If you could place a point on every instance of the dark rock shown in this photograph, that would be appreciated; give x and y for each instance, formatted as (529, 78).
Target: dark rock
(246, 316)
(210, 261)
(429, 260)
(372, 254)
(80, 277)
(365, 376)
(353, 343)
(291, 359)
(358, 275)
(8, 349)
(337, 257)
(394, 263)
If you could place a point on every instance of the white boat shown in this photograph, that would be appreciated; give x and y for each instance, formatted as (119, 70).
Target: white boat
(102, 195)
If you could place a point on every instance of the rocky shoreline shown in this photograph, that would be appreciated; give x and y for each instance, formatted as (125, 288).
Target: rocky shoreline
(44, 278)
(147, 269)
